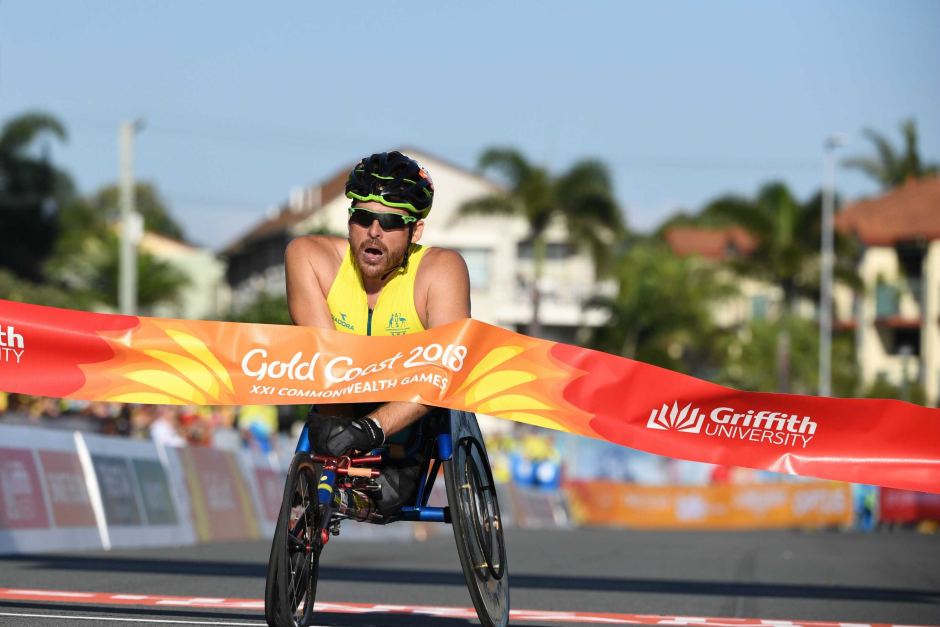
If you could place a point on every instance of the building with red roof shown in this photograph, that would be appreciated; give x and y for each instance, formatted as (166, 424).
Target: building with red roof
(897, 316)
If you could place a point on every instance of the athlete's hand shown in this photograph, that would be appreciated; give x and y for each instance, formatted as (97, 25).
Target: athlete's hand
(335, 436)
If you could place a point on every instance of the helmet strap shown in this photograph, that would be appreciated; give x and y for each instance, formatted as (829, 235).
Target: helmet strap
(403, 266)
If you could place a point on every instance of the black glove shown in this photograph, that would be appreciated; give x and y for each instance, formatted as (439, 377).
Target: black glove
(336, 436)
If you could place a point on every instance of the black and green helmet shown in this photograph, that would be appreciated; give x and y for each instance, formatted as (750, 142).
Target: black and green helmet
(394, 180)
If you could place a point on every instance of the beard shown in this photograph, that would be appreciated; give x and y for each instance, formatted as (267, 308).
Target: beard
(375, 260)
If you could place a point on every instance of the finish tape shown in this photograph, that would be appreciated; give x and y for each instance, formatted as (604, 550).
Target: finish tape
(472, 366)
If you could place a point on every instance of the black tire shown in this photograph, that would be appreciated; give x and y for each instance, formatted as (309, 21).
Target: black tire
(478, 529)
(294, 563)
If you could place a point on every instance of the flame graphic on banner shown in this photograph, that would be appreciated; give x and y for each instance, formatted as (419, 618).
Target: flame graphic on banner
(521, 383)
(182, 370)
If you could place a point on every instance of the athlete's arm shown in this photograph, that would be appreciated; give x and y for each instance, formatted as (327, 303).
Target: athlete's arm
(449, 291)
(307, 261)
(448, 300)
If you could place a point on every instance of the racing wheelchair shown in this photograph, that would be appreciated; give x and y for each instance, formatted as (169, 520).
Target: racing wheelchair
(310, 515)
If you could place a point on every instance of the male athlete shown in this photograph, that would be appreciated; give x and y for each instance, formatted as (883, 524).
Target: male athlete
(378, 281)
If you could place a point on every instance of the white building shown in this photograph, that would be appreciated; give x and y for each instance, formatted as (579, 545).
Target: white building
(755, 300)
(206, 296)
(897, 317)
(495, 248)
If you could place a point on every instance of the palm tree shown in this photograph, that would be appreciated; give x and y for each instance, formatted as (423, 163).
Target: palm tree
(31, 190)
(662, 312)
(582, 197)
(148, 203)
(787, 253)
(891, 167)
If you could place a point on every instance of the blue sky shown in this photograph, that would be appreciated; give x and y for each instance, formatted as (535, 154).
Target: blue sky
(682, 100)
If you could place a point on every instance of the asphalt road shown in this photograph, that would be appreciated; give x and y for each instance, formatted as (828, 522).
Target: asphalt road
(890, 577)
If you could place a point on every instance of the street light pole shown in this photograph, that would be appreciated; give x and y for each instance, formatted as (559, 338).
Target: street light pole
(827, 263)
(131, 222)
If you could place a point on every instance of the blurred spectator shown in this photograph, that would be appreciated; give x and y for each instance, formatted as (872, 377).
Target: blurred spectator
(537, 462)
(164, 429)
(141, 417)
(866, 506)
(196, 425)
(257, 424)
(500, 448)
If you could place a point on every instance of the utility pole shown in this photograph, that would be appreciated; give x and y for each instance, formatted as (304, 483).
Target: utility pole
(827, 263)
(131, 222)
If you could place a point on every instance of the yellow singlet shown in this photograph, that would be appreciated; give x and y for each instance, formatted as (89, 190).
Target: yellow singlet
(394, 313)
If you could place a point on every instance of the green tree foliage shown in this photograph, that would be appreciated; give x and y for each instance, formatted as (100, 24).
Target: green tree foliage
(582, 196)
(157, 281)
(13, 287)
(751, 360)
(662, 313)
(787, 255)
(912, 391)
(891, 166)
(86, 262)
(148, 203)
(48, 233)
(31, 191)
(266, 308)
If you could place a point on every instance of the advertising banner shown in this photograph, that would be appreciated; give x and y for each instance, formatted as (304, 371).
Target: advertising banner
(759, 506)
(65, 485)
(118, 493)
(20, 491)
(137, 503)
(155, 494)
(264, 474)
(475, 367)
(905, 506)
(220, 501)
(270, 490)
(45, 504)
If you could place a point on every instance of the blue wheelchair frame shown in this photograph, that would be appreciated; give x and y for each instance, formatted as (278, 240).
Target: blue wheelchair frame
(446, 439)
(420, 511)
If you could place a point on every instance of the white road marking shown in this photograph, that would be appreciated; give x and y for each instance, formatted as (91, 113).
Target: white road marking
(161, 621)
(53, 593)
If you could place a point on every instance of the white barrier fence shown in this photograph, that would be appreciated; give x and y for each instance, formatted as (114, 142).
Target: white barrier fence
(64, 490)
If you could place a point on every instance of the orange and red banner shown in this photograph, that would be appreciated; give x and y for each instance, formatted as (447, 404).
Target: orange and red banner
(758, 506)
(471, 366)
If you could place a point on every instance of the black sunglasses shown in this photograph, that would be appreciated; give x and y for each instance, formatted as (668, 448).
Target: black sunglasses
(388, 221)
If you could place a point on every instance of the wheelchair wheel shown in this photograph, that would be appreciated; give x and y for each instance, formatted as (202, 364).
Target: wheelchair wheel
(293, 567)
(474, 510)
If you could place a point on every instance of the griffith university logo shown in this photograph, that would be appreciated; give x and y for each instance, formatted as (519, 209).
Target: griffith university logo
(11, 345)
(770, 427)
(667, 418)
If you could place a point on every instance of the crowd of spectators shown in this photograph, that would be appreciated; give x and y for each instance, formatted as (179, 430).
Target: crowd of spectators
(520, 454)
(175, 425)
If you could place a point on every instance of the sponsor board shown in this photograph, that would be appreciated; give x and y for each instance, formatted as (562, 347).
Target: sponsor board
(21, 500)
(758, 506)
(139, 502)
(65, 485)
(270, 491)
(155, 492)
(116, 482)
(49, 507)
(906, 506)
(220, 501)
